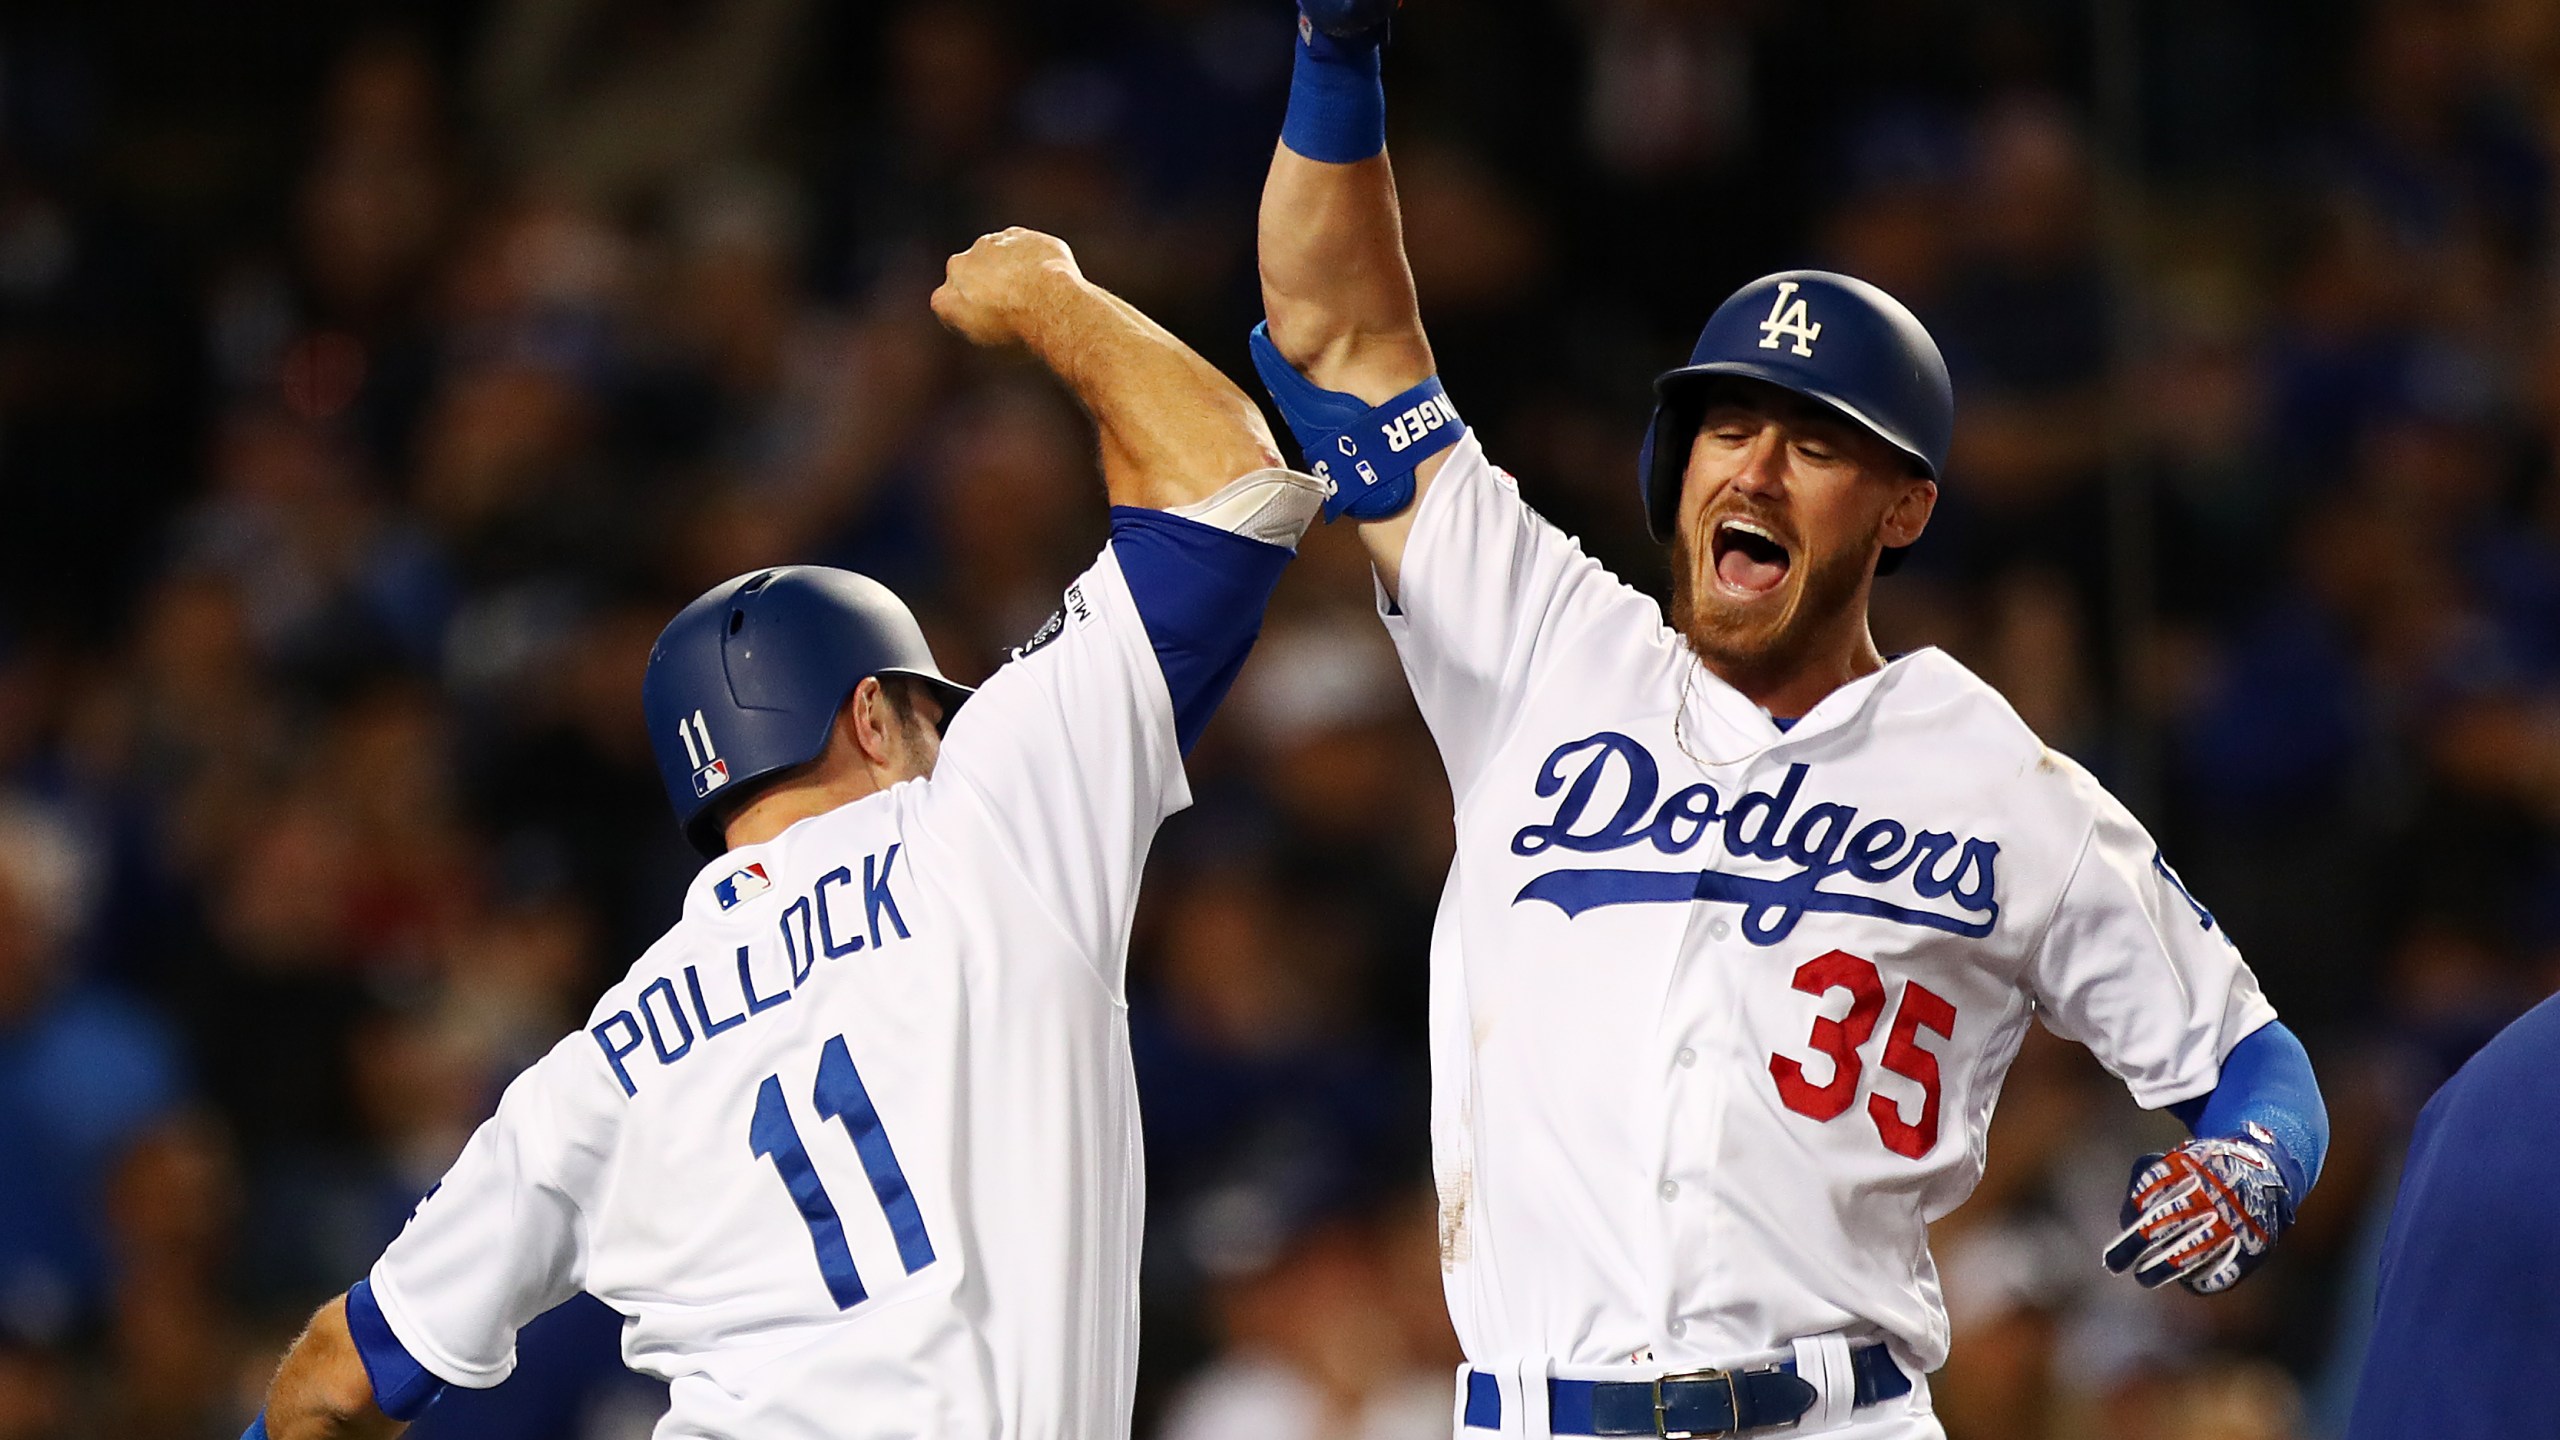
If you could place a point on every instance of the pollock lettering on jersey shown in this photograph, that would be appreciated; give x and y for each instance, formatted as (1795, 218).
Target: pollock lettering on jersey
(1719, 1009)
(806, 930)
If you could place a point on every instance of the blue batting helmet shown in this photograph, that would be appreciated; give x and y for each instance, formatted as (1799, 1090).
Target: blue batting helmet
(746, 681)
(1831, 338)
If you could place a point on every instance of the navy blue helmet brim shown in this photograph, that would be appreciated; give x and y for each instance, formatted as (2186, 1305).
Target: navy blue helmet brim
(1679, 384)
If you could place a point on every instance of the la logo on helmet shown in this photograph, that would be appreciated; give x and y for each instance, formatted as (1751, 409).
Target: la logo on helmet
(1789, 320)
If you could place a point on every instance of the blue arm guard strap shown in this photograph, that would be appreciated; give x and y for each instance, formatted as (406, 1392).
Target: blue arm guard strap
(2267, 1082)
(1200, 591)
(1366, 454)
(402, 1387)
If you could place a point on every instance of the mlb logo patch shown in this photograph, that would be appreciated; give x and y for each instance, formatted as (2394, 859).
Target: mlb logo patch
(741, 885)
(710, 777)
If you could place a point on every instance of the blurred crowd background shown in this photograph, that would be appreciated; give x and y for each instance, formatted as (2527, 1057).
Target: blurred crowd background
(376, 378)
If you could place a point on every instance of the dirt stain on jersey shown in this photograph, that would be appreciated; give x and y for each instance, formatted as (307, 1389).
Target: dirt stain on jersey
(1458, 1192)
(1457, 1243)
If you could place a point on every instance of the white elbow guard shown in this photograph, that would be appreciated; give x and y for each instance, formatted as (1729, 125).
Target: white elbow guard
(1273, 506)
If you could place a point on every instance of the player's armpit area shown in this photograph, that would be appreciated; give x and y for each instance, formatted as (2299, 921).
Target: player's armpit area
(322, 1390)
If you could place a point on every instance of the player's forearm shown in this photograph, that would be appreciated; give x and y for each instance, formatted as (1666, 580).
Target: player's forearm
(1336, 287)
(1174, 430)
(322, 1392)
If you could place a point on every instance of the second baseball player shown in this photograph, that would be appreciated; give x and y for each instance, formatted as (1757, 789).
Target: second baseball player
(1746, 920)
(853, 1149)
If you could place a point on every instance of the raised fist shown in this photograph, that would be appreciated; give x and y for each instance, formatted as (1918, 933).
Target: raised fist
(988, 288)
(2204, 1214)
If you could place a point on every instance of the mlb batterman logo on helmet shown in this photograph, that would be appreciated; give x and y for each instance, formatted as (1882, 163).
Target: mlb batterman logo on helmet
(1875, 363)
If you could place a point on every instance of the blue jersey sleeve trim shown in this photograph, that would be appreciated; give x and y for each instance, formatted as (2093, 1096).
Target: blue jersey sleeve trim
(402, 1387)
(1200, 591)
(2267, 1081)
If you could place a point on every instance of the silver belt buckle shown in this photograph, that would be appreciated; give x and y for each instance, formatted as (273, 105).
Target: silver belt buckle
(1662, 1413)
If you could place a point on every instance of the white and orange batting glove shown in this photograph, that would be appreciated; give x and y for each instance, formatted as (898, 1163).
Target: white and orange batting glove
(2204, 1214)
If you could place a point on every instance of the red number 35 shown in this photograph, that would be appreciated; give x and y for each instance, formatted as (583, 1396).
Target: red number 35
(1839, 1040)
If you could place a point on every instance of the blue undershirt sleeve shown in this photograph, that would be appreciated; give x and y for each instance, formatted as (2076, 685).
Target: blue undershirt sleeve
(1201, 591)
(402, 1387)
(2267, 1081)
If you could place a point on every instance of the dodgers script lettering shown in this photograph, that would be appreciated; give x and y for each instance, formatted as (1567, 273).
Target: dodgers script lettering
(1820, 841)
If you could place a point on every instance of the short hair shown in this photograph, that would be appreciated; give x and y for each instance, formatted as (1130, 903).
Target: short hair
(905, 694)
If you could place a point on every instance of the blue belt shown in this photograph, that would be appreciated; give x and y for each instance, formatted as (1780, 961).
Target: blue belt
(1694, 1402)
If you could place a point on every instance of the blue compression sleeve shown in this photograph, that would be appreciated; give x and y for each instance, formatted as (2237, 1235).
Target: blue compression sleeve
(2267, 1081)
(1200, 591)
(1337, 98)
(402, 1387)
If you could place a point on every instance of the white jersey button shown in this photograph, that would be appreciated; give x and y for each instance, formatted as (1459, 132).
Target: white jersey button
(1677, 1328)
(1670, 1190)
(1687, 1057)
(1719, 929)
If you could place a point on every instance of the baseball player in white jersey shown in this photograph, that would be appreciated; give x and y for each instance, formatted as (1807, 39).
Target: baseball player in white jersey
(854, 1148)
(1746, 920)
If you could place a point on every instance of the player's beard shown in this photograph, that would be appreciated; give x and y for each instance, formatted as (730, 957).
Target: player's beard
(1752, 645)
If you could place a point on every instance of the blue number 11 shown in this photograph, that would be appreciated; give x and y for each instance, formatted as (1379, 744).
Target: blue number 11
(840, 1096)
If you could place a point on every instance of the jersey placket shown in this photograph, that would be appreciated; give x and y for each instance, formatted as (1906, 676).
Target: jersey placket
(1706, 1061)
(1689, 1048)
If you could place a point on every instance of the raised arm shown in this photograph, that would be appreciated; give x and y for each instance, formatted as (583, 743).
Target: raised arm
(1069, 750)
(1175, 432)
(1337, 293)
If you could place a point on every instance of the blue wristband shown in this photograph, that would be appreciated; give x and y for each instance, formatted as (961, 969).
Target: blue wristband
(1337, 98)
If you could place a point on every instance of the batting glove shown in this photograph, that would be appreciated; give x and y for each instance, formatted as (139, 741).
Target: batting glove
(2204, 1214)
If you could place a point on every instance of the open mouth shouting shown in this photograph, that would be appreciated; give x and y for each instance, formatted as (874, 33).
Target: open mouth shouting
(1750, 560)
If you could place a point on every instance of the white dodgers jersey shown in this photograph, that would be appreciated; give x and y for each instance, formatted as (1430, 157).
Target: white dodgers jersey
(1719, 1009)
(854, 1147)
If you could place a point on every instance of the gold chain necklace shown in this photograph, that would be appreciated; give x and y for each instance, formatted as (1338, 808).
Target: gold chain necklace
(1680, 721)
